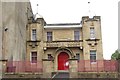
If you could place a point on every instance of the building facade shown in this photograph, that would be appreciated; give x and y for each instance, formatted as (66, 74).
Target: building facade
(31, 48)
(13, 21)
(61, 42)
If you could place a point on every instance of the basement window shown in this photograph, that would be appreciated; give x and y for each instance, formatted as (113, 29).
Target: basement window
(78, 56)
(34, 57)
(50, 57)
(92, 55)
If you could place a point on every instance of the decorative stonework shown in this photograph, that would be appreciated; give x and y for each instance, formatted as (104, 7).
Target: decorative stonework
(63, 44)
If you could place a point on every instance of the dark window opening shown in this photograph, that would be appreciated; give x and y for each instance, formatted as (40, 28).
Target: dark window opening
(76, 35)
(78, 56)
(50, 57)
(49, 36)
(34, 57)
(93, 56)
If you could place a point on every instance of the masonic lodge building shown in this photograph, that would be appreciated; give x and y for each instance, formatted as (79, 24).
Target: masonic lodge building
(64, 41)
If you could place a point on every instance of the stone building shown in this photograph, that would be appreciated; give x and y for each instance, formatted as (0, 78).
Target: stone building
(58, 45)
(13, 21)
(31, 48)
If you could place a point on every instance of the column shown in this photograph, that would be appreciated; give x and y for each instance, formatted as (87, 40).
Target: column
(73, 68)
(47, 68)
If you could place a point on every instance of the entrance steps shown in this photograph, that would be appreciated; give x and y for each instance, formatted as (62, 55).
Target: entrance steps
(60, 75)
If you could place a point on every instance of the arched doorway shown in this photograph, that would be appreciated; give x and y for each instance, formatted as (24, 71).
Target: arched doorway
(63, 61)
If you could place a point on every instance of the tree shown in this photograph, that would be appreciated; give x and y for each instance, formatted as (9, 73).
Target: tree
(116, 55)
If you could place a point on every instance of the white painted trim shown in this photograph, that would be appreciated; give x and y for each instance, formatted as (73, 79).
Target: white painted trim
(32, 35)
(31, 53)
(30, 56)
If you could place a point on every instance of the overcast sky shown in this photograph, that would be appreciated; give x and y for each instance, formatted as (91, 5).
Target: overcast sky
(71, 11)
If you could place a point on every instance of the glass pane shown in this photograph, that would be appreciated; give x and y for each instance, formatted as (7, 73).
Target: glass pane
(49, 36)
(34, 57)
(76, 35)
(93, 55)
(49, 33)
(34, 53)
(78, 56)
(33, 34)
(92, 33)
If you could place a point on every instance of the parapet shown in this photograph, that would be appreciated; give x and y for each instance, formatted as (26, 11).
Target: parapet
(94, 18)
(40, 21)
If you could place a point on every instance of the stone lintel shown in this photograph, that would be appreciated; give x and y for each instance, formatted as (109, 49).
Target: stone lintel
(4, 60)
(73, 59)
(46, 60)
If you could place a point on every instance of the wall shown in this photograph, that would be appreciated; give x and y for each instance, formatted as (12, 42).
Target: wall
(38, 25)
(92, 44)
(14, 19)
(63, 33)
(0, 30)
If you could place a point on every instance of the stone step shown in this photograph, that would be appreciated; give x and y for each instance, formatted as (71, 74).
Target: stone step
(60, 75)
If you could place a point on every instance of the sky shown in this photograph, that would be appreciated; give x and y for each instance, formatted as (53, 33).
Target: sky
(71, 11)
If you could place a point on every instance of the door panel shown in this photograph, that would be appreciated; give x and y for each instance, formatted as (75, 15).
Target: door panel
(63, 63)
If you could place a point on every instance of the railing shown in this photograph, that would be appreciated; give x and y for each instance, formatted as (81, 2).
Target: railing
(98, 66)
(83, 66)
(64, 44)
(24, 66)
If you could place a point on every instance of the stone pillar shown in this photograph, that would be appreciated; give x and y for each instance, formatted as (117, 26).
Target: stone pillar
(73, 68)
(3, 67)
(47, 68)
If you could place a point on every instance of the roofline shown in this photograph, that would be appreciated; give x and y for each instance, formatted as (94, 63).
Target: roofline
(62, 24)
(62, 27)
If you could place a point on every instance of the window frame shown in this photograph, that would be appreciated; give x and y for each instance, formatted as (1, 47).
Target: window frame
(76, 35)
(78, 56)
(34, 57)
(92, 33)
(49, 36)
(34, 34)
(93, 56)
(50, 57)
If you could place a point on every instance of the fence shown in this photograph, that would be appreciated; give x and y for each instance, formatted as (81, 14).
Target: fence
(24, 66)
(83, 66)
(98, 66)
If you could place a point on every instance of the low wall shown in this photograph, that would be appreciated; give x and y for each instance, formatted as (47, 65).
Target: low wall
(98, 75)
(81, 76)
(22, 75)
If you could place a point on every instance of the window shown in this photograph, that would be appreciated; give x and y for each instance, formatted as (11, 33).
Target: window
(92, 33)
(76, 35)
(34, 34)
(50, 57)
(34, 57)
(78, 56)
(93, 56)
(49, 36)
